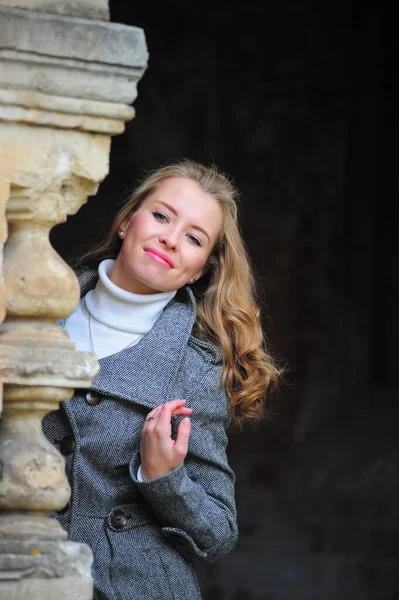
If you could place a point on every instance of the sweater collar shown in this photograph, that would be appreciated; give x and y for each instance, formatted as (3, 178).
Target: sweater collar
(123, 310)
(145, 373)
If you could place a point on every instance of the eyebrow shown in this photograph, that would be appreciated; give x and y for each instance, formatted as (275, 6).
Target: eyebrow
(174, 211)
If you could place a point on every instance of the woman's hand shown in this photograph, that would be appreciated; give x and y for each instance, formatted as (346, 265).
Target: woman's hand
(159, 453)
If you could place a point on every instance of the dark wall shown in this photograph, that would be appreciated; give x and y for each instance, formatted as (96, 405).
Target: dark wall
(298, 102)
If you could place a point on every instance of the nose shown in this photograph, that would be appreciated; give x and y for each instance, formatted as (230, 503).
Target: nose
(170, 239)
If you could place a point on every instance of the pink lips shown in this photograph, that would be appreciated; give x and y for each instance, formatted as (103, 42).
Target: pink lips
(159, 257)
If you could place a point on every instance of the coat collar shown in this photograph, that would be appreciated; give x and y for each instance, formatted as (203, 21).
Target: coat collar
(145, 373)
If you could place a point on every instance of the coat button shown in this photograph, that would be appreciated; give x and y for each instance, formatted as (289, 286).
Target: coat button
(93, 399)
(118, 519)
(67, 445)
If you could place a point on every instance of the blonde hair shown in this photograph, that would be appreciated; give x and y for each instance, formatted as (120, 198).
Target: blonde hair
(228, 313)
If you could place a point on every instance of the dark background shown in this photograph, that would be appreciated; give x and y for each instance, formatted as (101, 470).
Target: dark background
(298, 102)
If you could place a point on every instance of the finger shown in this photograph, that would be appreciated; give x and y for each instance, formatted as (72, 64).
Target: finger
(152, 416)
(176, 407)
(180, 447)
(173, 404)
(183, 411)
(164, 419)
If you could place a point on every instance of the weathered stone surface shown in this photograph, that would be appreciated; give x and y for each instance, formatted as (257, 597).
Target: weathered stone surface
(24, 527)
(4, 194)
(67, 77)
(65, 105)
(82, 39)
(47, 589)
(35, 366)
(45, 570)
(57, 111)
(51, 161)
(71, 57)
(65, 83)
(60, 119)
(33, 472)
(51, 172)
(87, 9)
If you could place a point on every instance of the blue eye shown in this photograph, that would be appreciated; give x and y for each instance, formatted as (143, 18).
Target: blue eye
(160, 216)
(194, 240)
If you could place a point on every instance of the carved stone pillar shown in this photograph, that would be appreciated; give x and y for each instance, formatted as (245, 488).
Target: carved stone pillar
(65, 87)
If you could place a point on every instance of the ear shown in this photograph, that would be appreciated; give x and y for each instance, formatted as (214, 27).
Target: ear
(200, 272)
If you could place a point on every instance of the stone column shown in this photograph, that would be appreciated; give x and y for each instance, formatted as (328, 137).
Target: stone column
(66, 85)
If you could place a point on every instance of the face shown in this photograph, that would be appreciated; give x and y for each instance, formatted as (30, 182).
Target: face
(168, 239)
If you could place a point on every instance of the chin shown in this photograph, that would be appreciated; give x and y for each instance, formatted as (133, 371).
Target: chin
(152, 287)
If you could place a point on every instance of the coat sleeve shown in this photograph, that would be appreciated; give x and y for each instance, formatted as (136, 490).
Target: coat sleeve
(195, 502)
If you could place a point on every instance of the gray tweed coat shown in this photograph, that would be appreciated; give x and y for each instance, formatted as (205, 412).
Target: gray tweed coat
(144, 535)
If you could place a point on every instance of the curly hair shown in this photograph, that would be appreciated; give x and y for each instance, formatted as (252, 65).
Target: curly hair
(228, 312)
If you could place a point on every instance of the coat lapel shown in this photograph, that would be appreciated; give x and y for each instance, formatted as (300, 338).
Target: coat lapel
(145, 373)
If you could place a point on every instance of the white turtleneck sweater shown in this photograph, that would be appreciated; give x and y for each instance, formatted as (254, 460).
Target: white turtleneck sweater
(108, 318)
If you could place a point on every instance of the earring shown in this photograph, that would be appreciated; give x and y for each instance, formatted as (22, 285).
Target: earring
(192, 280)
(121, 233)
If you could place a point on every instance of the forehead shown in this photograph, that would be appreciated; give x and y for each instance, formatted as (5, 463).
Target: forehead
(190, 202)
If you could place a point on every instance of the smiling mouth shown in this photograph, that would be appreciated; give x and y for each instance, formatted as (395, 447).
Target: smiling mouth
(159, 257)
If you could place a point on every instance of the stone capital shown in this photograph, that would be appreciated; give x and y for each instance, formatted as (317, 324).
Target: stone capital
(72, 57)
(68, 72)
(86, 9)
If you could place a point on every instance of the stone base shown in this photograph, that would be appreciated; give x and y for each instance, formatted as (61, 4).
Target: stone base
(45, 571)
(40, 589)
(36, 561)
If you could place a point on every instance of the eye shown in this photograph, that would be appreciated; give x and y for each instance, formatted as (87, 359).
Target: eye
(160, 216)
(194, 240)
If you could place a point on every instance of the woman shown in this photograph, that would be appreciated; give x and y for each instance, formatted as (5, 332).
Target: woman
(167, 305)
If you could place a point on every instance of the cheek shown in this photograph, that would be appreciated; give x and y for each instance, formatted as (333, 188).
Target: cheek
(198, 262)
(137, 223)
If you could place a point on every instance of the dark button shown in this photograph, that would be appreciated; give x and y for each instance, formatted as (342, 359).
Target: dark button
(67, 445)
(118, 519)
(93, 399)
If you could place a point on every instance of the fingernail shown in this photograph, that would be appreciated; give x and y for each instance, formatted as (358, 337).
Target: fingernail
(186, 422)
